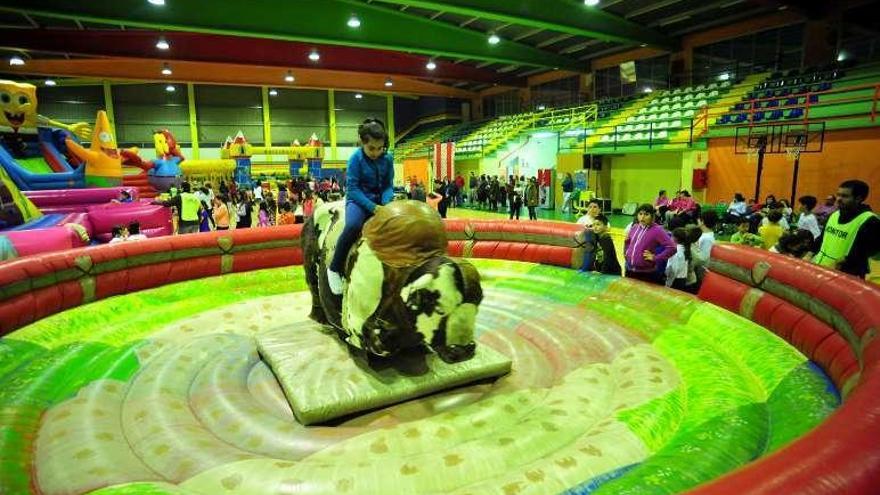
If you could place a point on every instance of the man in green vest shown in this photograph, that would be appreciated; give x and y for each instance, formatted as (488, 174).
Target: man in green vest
(187, 205)
(852, 233)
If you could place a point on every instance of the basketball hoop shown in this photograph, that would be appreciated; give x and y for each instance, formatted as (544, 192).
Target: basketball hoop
(793, 152)
(752, 154)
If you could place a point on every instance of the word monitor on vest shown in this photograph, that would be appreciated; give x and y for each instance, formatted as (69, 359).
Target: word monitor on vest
(839, 238)
(400, 290)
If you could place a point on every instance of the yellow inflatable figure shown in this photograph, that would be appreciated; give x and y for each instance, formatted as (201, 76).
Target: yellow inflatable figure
(103, 162)
(19, 104)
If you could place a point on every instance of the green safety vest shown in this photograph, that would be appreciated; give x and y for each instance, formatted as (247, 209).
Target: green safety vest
(839, 238)
(189, 207)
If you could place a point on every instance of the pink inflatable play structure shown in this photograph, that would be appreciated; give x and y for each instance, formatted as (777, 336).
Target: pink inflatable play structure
(73, 218)
(75, 200)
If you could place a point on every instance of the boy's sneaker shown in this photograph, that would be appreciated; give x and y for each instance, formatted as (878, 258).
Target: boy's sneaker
(334, 280)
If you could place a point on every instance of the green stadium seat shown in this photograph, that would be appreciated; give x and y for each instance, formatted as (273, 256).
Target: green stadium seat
(674, 124)
(675, 115)
(688, 113)
(660, 135)
(675, 106)
(713, 93)
(625, 137)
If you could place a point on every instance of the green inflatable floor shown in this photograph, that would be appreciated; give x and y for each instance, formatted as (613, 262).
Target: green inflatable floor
(323, 381)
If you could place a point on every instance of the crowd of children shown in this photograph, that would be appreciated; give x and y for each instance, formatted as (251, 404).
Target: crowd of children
(288, 202)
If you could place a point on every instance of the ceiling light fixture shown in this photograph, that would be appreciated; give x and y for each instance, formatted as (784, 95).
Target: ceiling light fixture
(494, 39)
(163, 44)
(354, 22)
(591, 3)
(388, 82)
(431, 65)
(648, 89)
(314, 56)
(289, 77)
(542, 107)
(158, 3)
(166, 69)
(50, 82)
(840, 57)
(358, 96)
(16, 60)
(724, 77)
(273, 92)
(170, 88)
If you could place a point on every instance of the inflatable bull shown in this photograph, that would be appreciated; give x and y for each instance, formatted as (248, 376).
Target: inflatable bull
(401, 291)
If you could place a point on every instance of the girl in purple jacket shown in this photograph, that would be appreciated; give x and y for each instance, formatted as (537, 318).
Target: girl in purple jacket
(646, 247)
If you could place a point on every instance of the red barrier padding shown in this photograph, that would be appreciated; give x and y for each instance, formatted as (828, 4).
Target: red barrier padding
(825, 353)
(17, 312)
(839, 363)
(809, 333)
(722, 291)
(47, 301)
(503, 230)
(798, 274)
(871, 354)
(181, 271)
(764, 309)
(146, 277)
(271, 258)
(455, 248)
(111, 284)
(784, 319)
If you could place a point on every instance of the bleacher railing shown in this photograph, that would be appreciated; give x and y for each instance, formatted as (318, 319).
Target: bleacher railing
(811, 99)
(653, 134)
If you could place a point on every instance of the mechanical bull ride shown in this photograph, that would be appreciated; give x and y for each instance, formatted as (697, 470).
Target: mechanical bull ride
(401, 291)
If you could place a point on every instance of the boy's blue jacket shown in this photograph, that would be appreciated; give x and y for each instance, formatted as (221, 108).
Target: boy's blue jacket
(368, 183)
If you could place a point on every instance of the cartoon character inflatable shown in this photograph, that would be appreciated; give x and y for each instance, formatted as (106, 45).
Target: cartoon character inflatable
(18, 102)
(165, 171)
(102, 158)
(401, 291)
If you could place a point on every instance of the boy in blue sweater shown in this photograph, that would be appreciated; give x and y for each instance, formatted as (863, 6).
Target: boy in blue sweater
(368, 186)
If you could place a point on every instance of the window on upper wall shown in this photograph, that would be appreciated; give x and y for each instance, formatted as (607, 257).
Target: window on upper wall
(559, 93)
(506, 103)
(70, 104)
(778, 49)
(224, 110)
(141, 109)
(649, 73)
(296, 114)
(351, 112)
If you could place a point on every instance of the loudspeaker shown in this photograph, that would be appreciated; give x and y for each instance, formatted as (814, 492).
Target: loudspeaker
(587, 161)
(597, 162)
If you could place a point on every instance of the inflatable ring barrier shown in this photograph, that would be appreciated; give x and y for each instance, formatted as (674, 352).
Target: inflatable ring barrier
(831, 318)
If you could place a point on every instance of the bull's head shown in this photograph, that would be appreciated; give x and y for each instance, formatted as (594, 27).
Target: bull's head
(441, 298)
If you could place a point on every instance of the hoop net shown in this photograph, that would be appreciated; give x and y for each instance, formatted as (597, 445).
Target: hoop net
(793, 152)
(752, 154)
